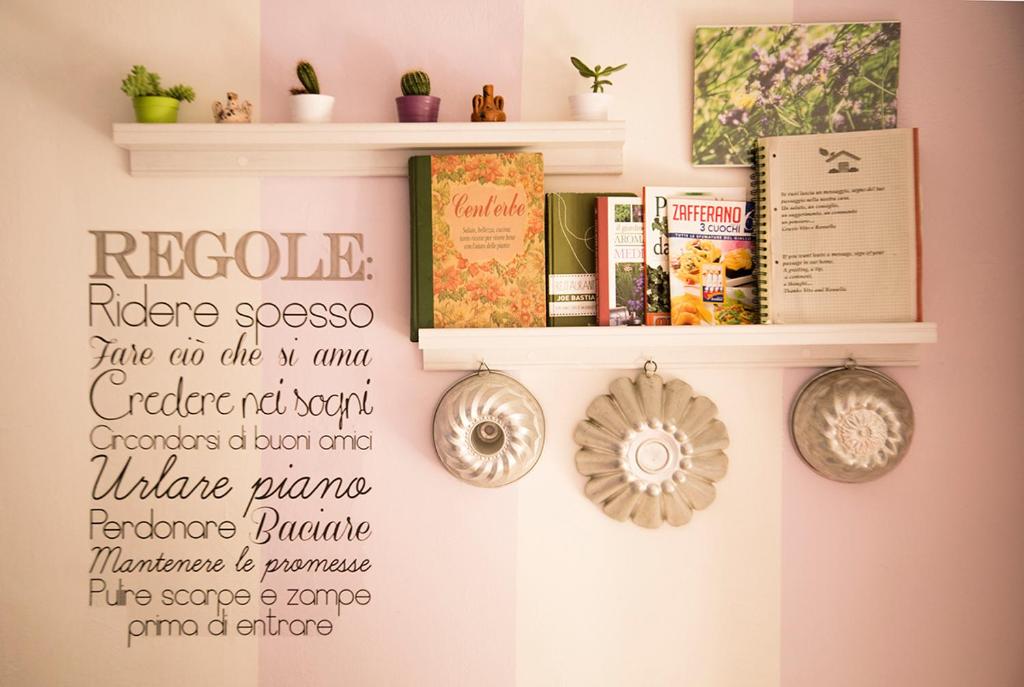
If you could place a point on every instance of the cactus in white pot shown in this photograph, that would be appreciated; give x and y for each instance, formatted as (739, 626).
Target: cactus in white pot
(308, 104)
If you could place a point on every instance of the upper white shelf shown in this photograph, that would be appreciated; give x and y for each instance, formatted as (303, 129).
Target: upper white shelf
(793, 345)
(359, 149)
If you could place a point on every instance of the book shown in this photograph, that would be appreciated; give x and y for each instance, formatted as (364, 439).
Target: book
(656, 280)
(790, 79)
(839, 227)
(620, 261)
(571, 243)
(477, 231)
(711, 261)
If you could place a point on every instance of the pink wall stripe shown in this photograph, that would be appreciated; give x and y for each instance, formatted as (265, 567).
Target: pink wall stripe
(444, 553)
(916, 579)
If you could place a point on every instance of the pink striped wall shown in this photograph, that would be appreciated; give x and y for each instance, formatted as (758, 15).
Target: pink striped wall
(917, 579)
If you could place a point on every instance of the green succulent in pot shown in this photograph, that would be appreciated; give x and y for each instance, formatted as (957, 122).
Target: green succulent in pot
(592, 106)
(152, 102)
(308, 104)
(416, 104)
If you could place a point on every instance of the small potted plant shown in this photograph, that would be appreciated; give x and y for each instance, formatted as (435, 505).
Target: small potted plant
(308, 105)
(154, 104)
(592, 106)
(416, 104)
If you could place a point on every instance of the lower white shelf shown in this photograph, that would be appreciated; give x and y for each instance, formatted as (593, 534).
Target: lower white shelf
(793, 345)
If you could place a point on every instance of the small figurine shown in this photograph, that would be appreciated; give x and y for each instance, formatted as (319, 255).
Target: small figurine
(234, 111)
(488, 107)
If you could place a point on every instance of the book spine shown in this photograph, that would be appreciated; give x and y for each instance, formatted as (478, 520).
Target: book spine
(549, 255)
(759, 196)
(917, 227)
(422, 256)
(655, 267)
(603, 248)
(414, 325)
(645, 268)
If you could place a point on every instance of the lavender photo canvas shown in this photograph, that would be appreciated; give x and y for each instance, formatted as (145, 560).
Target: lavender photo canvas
(752, 81)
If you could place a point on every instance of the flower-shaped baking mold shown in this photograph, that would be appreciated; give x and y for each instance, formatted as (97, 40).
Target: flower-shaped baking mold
(651, 451)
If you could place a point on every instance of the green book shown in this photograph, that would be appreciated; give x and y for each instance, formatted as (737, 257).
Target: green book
(572, 279)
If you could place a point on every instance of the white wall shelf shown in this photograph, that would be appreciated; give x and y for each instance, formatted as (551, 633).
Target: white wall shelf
(811, 345)
(381, 149)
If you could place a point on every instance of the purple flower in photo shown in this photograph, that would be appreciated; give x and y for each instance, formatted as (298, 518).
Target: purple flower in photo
(734, 117)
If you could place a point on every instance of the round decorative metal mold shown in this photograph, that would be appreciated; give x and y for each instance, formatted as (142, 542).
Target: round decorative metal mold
(852, 424)
(488, 429)
(652, 451)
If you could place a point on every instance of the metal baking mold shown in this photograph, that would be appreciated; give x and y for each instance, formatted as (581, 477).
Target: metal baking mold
(488, 429)
(852, 424)
(652, 451)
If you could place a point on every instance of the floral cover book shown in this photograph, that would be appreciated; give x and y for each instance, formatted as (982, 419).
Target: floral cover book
(752, 81)
(477, 240)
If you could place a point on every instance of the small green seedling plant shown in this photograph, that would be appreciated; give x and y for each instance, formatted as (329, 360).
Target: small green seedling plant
(598, 73)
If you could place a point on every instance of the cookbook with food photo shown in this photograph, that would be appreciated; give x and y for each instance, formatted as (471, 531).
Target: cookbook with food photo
(711, 262)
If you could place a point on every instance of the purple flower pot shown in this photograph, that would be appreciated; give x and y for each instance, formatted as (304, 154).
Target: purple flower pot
(417, 108)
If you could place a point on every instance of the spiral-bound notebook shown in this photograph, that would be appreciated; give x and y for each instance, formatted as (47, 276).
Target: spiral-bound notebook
(838, 227)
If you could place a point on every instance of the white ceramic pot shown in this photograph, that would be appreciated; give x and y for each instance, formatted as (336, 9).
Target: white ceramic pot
(308, 108)
(589, 107)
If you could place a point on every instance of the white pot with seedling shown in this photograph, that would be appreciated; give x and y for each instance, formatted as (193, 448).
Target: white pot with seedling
(592, 106)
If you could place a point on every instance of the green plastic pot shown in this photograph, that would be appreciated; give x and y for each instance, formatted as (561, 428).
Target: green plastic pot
(155, 109)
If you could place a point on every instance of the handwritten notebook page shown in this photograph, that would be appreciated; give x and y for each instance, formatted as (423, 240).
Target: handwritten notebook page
(842, 227)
